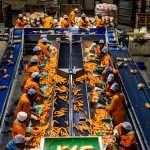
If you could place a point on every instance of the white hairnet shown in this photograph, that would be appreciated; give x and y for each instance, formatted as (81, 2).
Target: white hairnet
(127, 125)
(22, 116)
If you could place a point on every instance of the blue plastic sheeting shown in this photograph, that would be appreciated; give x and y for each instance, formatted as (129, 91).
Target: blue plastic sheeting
(11, 71)
(61, 31)
(137, 98)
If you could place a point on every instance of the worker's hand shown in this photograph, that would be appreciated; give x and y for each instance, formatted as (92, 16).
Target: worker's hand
(34, 117)
(99, 70)
(103, 83)
(29, 138)
(42, 65)
(102, 92)
(45, 58)
(45, 96)
(97, 57)
(93, 44)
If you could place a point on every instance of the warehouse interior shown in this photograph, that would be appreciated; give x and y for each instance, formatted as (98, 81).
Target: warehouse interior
(74, 74)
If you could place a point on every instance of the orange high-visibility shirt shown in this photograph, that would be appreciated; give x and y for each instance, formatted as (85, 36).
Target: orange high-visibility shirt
(44, 49)
(106, 61)
(23, 105)
(29, 70)
(30, 83)
(83, 24)
(98, 23)
(19, 23)
(127, 140)
(18, 128)
(64, 23)
(48, 22)
(116, 107)
(72, 17)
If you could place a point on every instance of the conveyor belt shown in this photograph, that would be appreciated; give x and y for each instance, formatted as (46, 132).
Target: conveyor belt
(11, 70)
(137, 98)
(64, 53)
(82, 113)
(77, 55)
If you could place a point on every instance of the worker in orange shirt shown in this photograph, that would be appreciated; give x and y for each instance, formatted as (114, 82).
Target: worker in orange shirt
(18, 143)
(109, 70)
(100, 46)
(48, 22)
(33, 82)
(37, 52)
(30, 68)
(109, 82)
(83, 23)
(41, 37)
(72, 16)
(19, 126)
(117, 105)
(64, 22)
(44, 47)
(125, 136)
(19, 21)
(25, 103)
(105, 61)
(99, 21)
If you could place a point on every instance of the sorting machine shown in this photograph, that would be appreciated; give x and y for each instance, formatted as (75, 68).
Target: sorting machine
(70, 66)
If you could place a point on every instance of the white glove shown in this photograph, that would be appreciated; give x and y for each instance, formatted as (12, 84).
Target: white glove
(33, 117)
(94, 44)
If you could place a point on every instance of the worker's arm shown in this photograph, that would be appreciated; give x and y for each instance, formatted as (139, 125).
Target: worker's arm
(112, 105)
(26, 108)
(45, 51)
(127, 141)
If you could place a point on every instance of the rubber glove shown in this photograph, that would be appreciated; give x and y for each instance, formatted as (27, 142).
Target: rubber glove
(45, 96)
(103, 83)
(42, 65)
(94, 44)
(99, 70)
(34, 117)
(45, 58)
(102, 92)
(96, 57)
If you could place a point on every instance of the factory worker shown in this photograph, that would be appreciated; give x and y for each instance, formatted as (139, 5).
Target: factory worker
(105, 61)
(44, 47)
(48, 22)
(99, 21)
(38, 52)
(100, 46)
(72, 16)
(41, 37)
(64, 22)
(25, 103)
(19, 125)
(125, 135)
(30, 68)
(18, 143)
(117, 104)
(109, 82)
(33, 82)
(19, 21)
(109, 70)
(83, 23)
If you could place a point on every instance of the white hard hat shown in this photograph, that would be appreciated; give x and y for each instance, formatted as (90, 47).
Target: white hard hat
(20, 15)
(65, 16)
(31, 91)
(22, 116)
(36, 49)
(108, 69)
(83, 16)
(34, 59)
(115, 87)
(127, 126)
(35, 75)
(44, 40)
(110, 78)
(18, 139)
(76, 10)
